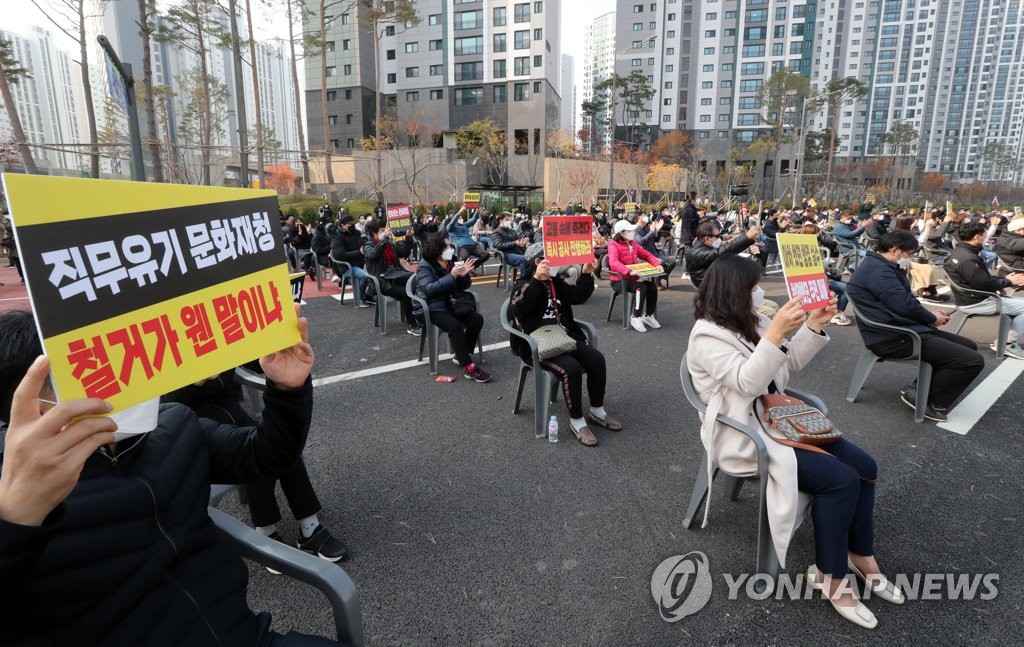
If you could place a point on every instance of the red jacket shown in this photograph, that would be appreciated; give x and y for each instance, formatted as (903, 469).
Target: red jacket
(627, 253)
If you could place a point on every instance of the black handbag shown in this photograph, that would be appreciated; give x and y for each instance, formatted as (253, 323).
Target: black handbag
(462, 303)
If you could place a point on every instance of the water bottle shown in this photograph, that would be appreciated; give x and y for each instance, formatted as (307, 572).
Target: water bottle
(553, 430)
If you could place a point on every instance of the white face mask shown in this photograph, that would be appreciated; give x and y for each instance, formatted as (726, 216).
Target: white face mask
(716, 243)
(136, 420)
(448, 254)
(904, 263)
(757, 297)
(628, 234)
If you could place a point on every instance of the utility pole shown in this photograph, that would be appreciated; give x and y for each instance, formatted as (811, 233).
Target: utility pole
(243, 126)
(122, 86)
(611, 153)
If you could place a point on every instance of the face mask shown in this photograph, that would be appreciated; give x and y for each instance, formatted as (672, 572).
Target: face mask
(555, 270)
(628, 234)
(717, 243)
(757, 297)
(136, 420)
(448, 254)
(504, 224)
(904, 263)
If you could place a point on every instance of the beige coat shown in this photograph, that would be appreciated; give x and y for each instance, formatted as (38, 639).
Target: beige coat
(728, 375)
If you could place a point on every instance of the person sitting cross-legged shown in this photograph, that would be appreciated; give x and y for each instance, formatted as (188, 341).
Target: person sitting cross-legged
(437, 281)
(880, 289)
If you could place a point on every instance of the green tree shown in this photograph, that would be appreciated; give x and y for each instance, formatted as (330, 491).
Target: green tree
(999, 160)
(782, 98)
(836, 93)
(483, 139)
(199, 126)
(591, 112)
(901, 143)
(11, 72)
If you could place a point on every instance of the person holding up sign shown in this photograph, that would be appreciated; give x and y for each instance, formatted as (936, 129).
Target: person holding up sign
(111, 543)
(623, 251)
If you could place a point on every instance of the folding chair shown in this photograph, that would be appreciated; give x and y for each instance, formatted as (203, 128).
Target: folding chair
(627, 296)
(345, 276)
(960, 317)
(380, 315)
(431, 333)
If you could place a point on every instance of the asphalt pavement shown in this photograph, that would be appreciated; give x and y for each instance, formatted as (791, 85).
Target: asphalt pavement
(466, 530)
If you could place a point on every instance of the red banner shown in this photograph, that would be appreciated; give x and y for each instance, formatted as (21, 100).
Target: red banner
(568, 240)
(399, 218)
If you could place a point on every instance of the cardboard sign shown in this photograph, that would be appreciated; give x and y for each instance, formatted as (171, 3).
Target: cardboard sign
(298, 282)
(928, 206)
(1016, 211)
(949, 207)
(399, 218)
(804, 270)
(645, 270)
(813, 203)
(870, 198)
(471, 200)
(140, 289)
(568, 240)
(629, 207)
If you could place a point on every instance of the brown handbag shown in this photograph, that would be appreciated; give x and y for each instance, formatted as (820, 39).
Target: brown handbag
(795, 423)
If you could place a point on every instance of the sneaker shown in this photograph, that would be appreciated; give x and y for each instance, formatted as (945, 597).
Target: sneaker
(366, 304)
(415, 331)
(276, 536)
(474, 372)
(1015, 351)
(322, 544)
(841, 320)
(336, 279)
(649, 320)
(638, 324)
(909, 397)
(933, 297)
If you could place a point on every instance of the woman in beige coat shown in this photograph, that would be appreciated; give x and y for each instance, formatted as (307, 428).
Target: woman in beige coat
(735, 356)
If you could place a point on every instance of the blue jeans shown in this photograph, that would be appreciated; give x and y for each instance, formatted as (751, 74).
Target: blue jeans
(989, 257)
(840, 289)
(360, 278)
(844, 502)
(518, 260)
(486, 241)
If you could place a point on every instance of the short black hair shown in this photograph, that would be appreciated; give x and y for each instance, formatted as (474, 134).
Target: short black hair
(971, 229)
(434, 246)
(19, 347)
(898, 239)
(708, 228)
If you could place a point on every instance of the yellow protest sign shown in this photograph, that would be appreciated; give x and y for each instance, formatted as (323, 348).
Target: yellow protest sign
(645, 270)
(804, 269)
(949, 207)
(471, 200)
(139, 289)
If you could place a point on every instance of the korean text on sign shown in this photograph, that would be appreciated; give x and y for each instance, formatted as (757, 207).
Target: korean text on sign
(568, 240)
(399, 217)
(804, 270)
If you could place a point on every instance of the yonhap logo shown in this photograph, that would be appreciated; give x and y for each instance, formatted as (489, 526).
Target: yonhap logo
(681, 585)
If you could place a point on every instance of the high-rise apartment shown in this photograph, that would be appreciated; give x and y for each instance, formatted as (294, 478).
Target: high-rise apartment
(598, 65)
(465, 60)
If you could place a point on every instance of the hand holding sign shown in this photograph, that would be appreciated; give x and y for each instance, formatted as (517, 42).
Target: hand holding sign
(44, 452)
(789, 317)
(290, 367)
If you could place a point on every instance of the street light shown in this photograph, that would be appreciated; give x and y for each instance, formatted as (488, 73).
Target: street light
(611, 140)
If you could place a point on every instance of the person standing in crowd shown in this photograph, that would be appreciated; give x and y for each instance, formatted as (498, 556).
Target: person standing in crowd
(966, 268)
(881, 291)
(623, 251)
(510, 242)
(220, 399)
(541, 298)
(466, 247)
(347, 247)
(437, 281)
(734, 356)
(708, 247)
(689, 221)
(382, 254)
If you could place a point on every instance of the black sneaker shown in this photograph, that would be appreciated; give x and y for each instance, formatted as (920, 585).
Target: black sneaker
(936, 298)
(366, 303)
(909, 397)
(415, 331)
(322, 544)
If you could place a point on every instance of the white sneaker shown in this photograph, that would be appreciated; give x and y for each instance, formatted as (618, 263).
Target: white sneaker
(651, 321)
(841, 320)
(336, 279)
(1014, 350)
(638, 324)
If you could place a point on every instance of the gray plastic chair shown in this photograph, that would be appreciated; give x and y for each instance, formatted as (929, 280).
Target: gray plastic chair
(432, 334)
(340, 268)
(867, 360)
(627, 296)
(503, 270)
(959, 318)
(545, 382)
(767, 560)
(380, 315)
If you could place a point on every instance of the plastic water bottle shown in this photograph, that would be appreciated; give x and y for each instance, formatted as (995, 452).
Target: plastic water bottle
(553, 430)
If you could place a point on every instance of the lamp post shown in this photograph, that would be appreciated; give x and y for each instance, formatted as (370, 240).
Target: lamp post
(611, 139)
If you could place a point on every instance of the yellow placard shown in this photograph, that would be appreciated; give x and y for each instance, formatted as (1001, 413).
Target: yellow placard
(645, 269)
(471, 200)
(800, 254)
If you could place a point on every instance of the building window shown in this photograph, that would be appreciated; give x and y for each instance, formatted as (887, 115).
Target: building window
(412, 72)
(500, 17)
(705, 118)
(412, 48)
(708, 68)
(412, 97)
(702, 134)
(499, 68)
(710, 33)
(538, 34)
(538, 60)
(390, 55)
(348, 95)
(434, 19)
(521, 91)
(436, 70)
(521, 65)
(538, 7)
(344, 18)
(332, 71)
(470, 45)
(522, 39)
(755, 33)
(389, 30)
(522, 12)
(330, 46)
(727, 67)
(705, 101)
(748, 69)
(708, 51)
(636, 62)
(468, 96)
(725, 101)
(436, 45)
(392, 78)
(500, 93)
(332, 120)
(749, 103)
(723, 117)
(707, 85)
(650, 61)
(469, 71)
(436, 95)
(332, 95)
(638, 8)
(711, 16)
(751, 86)
(638, 26)
(536, 87)
(469, 19)
(668, 85)
(348, 119)
(638, 44)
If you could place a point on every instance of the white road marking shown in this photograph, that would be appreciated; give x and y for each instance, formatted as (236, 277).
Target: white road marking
(965, 415)
(390, 368)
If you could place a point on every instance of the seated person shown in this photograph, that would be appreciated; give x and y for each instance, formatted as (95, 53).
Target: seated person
(923, 279)
(347, 247)
(425, 224)
(600, 247)
(510, 242)
(623, 251)
(436, 282)
(302, 241)
(707, 247)
(647, 234)
(1009, 245)
(734, 357)
(320, 248)
(881, 290)
(847, 235)
(465, 246)
(937, 225)
(965, 267)
(220, 399)
(383, 253)
(482, 232)
(836, 285)
(540, 299)
(109, 542)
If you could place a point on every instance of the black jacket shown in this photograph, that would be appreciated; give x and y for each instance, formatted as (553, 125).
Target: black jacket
(699, 256)
(421, 230)
(690, 220)
(435, 285)
(647, 237)
(348, 247)
(965, 267)
(505, 239)
(374, 254)
(881, 291)
(530, 307)
(131, 556)
(1009, 248)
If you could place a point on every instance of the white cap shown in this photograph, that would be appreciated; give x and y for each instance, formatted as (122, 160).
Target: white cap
(1016, 224)
(622, 225)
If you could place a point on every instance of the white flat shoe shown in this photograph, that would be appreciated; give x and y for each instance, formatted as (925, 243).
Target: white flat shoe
(884, 589)
(859, 615)
(638, 324)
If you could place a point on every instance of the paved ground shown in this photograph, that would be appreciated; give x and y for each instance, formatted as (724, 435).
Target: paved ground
(467, 531)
